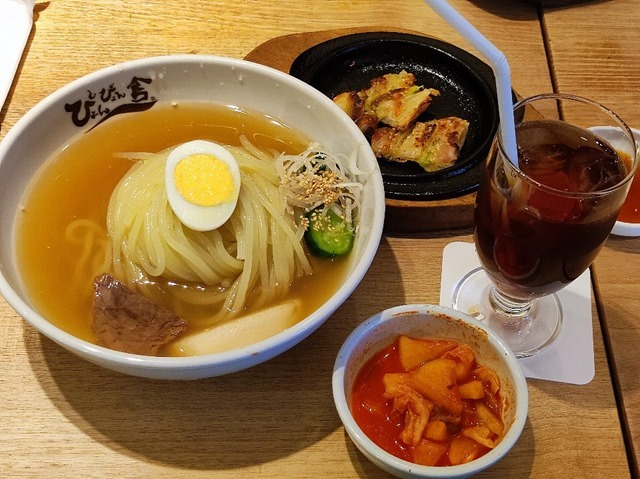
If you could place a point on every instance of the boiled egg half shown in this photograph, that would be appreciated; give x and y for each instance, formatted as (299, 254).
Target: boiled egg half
(202, 181)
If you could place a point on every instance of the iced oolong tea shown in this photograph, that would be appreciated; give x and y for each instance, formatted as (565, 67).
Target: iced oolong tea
(534, 240)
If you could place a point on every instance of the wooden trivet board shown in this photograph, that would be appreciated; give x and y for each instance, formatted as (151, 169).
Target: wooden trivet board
(402, 217)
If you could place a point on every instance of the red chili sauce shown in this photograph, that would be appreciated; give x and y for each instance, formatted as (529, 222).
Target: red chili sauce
(630, 212)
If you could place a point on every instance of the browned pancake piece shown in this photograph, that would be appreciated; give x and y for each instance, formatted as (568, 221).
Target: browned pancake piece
(433, 145)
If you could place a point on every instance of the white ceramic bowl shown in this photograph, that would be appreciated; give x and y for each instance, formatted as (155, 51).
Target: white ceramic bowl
(420, 320)
(615, 136)
(49, 126)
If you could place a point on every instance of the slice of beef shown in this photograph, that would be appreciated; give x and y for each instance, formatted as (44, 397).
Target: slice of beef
(127, 321)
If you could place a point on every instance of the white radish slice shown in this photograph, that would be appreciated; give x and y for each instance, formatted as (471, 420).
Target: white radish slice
(239, 332)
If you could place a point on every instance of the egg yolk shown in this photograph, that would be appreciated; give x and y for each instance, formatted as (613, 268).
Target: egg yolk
(203, 180)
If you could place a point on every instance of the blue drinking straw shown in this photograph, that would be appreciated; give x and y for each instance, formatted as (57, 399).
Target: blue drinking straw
(500, 67)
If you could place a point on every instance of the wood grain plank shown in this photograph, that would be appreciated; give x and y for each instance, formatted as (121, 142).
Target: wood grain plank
(63, 417)
(594, 51)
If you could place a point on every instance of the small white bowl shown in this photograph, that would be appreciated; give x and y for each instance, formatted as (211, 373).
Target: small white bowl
(180, 78)
(421, 320)
(614, 136)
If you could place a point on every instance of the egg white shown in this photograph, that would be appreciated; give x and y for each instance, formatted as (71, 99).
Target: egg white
(196, 217)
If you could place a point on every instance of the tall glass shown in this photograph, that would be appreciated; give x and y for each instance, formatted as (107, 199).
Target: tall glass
(539, 225)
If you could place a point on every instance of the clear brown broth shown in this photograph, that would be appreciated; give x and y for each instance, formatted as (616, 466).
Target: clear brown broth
(77, 184)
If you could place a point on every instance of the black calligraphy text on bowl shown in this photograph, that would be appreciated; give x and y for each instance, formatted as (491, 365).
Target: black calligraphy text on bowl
(467, 90)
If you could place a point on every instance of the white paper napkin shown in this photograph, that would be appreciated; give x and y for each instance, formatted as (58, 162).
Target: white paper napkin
(16, 17)
(570, 357)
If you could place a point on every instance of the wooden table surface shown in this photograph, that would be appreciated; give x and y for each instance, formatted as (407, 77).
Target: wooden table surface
(62, 417)
(594, 52)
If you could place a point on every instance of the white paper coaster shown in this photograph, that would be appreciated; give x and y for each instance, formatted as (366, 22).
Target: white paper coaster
(570, 357)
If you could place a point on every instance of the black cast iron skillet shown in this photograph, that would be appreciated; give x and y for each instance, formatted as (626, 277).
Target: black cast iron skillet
(467, 90)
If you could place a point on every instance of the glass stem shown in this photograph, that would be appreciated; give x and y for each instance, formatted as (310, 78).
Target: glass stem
(513, 308)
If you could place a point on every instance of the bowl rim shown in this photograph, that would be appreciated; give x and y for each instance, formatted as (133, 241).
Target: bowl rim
(284, 339)
(623, 228)
(394, 463)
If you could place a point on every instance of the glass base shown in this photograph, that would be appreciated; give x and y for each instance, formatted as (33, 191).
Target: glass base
(526, 333)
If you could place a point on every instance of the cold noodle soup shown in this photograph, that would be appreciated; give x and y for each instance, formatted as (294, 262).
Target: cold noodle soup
(64, 241)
